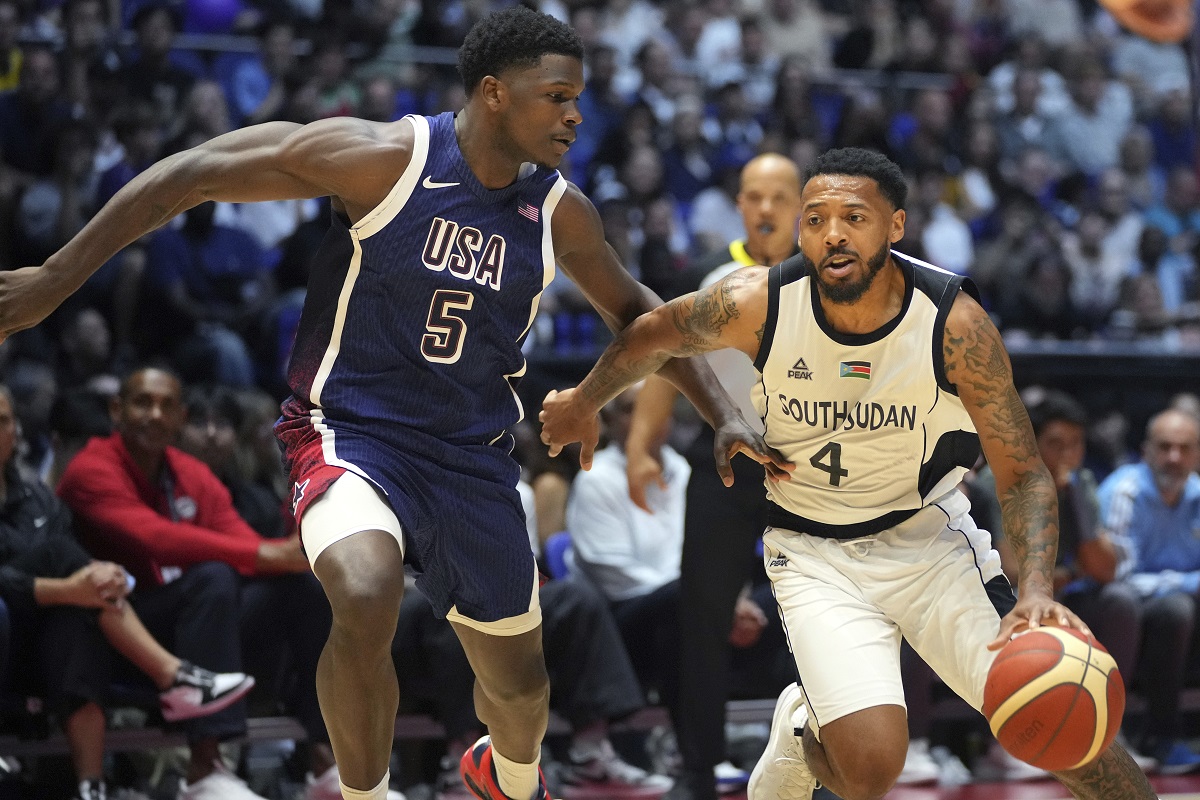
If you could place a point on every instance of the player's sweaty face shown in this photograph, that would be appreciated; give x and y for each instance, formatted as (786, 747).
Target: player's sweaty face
(845, 224)
(543, 107)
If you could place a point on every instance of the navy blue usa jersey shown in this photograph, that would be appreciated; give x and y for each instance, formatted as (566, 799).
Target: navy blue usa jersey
(414, 316)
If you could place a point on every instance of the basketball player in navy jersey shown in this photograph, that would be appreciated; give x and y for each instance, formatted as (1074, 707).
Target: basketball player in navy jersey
(906, 380)
(445, 232)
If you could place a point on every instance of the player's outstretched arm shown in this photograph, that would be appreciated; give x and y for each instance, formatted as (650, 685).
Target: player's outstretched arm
(978, 366)
(353, 160)
(730, 313)
(587, 259)
(591, 263)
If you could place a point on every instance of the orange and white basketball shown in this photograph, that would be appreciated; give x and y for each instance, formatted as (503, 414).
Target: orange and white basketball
(1054, 698)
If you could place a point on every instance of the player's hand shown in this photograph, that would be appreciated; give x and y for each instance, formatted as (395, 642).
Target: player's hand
(565, 419)
(24, 301)
(749, 621)
(1034, 609)
(641, 470)
(281, 556)
(736, 436)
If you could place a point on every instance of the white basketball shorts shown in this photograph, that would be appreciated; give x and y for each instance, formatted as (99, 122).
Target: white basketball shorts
(845, 605)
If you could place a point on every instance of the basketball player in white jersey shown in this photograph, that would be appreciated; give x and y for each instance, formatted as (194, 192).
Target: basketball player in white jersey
(881, 379)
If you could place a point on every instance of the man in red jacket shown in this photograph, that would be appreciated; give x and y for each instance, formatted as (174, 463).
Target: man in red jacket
(208, 584)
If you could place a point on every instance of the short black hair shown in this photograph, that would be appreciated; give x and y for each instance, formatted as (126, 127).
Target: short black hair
(217, 403)
(866, 163)
(1056, 406)
(515, 37)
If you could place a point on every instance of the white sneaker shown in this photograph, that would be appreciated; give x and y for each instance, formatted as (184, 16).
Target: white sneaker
(919, 766)
(329, 787)
(198, 692)
(782, 773)
(220, 784)
(1000, 765)
(729, 778)
(602, 764)
(951, 770)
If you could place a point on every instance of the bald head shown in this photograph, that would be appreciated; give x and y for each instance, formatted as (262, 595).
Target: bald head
(1172, 451)
(769, 201)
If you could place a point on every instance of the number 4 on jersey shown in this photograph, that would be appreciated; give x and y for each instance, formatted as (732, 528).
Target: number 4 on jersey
(834, 467)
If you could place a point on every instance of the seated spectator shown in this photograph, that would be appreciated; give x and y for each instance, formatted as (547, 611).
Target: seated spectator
(1152, 510)
(55, 207)
(86, 354)
(153, 77)
(256, 84)
(632, 555)
(31, 115)
(1085, 573)
(211, 434)
(207, 582)
(212, 281)
(76, 416)
(63, 607)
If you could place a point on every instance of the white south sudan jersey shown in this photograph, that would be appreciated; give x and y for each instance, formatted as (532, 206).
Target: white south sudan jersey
(875, 429)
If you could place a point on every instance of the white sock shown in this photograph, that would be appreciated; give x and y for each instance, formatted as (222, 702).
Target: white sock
(518, 781)
(378, 793)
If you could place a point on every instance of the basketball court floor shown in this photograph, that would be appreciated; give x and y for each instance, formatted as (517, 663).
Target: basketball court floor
(1178, 788)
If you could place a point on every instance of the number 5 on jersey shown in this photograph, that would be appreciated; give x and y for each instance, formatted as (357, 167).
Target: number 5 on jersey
(834, 466)
(447, 329)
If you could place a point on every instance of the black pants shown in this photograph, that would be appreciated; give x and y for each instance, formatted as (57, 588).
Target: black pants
(591, 678)
(285, 622)
(196, 618)
(720, 531)
(649, 628)
(61, 655)
(1169, 625)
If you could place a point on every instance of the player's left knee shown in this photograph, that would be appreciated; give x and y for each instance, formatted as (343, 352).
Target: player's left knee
(867, 773)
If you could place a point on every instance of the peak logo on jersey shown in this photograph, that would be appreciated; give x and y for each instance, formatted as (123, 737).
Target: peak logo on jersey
(800, 371)
(855, 369)
(460, 249)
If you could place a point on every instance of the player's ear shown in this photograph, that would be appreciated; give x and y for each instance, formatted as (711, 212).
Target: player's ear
(493, 91)
(897, 232)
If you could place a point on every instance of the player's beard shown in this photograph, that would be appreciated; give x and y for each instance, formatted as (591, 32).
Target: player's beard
(846, 292)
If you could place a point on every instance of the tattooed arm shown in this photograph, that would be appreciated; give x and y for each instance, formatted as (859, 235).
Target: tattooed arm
(978, 366)
(728, 314)
(273, 161)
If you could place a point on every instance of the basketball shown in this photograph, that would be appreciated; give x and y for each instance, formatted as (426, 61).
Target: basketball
(1054, 698)
(1167, 21)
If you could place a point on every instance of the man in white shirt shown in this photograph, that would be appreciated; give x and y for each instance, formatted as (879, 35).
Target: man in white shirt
(633, 556)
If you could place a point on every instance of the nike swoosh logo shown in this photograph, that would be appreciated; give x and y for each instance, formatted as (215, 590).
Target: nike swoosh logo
(428, 184)
(39, 522)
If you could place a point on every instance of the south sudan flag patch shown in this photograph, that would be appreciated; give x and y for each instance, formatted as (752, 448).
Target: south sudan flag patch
(855, 369)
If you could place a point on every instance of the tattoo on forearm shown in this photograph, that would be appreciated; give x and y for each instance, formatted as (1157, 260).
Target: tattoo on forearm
(1029, 510)
(617, 368)
(1113, 776)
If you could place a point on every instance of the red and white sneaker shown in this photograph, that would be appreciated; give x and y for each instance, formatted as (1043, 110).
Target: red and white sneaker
(479, 774)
